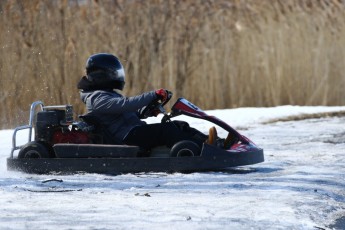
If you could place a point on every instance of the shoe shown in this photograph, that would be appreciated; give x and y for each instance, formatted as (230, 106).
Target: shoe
(229, 141)
(212, 137)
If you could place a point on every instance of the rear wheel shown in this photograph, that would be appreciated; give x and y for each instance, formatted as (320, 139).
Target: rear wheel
(185, 149)
(36, 149)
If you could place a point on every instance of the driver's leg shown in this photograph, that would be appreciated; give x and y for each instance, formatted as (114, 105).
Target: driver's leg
(152, 135)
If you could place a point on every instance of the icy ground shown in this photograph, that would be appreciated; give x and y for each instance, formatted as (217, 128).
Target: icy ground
(301, 184)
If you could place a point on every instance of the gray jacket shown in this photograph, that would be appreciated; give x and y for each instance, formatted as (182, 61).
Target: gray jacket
(116, 113)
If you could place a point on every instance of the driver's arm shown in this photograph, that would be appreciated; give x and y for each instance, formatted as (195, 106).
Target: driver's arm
(113, 103)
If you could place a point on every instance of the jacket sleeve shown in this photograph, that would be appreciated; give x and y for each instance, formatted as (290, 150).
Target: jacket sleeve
(109, 103)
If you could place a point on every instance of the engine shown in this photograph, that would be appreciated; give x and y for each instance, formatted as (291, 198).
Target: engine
(56, 126)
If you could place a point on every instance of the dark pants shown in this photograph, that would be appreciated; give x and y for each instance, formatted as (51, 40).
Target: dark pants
(160, 134)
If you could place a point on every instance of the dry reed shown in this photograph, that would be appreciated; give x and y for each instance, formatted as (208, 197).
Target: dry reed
(218, 54)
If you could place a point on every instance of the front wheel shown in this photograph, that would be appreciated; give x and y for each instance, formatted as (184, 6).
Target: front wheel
(185, 149)
(36, 149)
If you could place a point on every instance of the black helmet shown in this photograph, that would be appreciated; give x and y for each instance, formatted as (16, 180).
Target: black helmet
(104, 70)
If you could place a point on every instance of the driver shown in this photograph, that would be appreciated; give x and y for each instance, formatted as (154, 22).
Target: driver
(119, 116)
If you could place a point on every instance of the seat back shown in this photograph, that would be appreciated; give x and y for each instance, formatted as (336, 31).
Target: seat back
(100, 133)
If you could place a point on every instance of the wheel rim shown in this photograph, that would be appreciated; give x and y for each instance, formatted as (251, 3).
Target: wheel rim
(185, 153)
(32, 154)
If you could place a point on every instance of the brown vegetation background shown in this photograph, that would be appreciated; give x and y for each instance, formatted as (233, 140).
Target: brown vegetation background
(216, 53)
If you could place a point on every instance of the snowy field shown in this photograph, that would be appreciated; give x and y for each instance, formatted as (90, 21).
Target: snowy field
(301, 184)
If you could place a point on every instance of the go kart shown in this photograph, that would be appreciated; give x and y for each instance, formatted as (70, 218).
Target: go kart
(63, 145)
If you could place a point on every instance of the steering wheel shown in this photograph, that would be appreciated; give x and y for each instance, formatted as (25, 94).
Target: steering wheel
(155, 105)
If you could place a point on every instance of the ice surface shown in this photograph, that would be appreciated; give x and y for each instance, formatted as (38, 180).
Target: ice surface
(299, 186)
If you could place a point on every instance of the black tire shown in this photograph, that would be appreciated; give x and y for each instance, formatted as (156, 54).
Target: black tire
(36, 149)
(185, 149)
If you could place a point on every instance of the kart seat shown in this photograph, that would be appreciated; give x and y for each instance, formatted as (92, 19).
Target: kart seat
(101, 133)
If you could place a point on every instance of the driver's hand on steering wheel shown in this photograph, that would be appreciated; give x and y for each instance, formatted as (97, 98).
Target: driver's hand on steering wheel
(155, 112)
(162, 94)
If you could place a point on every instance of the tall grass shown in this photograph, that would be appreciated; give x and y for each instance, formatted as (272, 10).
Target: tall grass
(218, 54)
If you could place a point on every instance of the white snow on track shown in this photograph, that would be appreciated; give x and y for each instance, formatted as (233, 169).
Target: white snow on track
(301, 184)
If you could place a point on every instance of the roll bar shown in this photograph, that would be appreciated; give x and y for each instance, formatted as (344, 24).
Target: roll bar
(68, 120)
